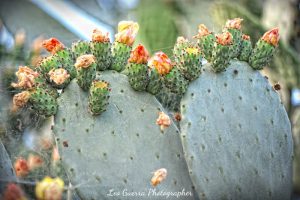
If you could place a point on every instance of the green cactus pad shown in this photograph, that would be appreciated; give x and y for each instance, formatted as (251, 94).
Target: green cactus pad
(120, 55)
(47, 64)
(155, 82)
(66, 61)
(102, 53)
(80, 48)
(119, 149)
(190, 65)
(175, 81)
(206, 44)
(220, 57)
(169, 99)
(236, 136)
(179, 48)
(98, 98)
(261, 55)
(236, 42)
(137, 76)
(43, 102)
(85, 76)
(246, 49)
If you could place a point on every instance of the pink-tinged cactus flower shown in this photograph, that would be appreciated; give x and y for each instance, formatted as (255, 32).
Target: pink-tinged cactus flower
(26, 78)
(20, 100)
(85, 61)
(99, 36)
(271, 37)
(53, 45)
(224, 38)
(127, 31)
(21, 167)
(34, 161)
(161, 62)
(158, 176)
(13, 192)
(59, 76)
(49, 189)
(202, 31)
(139, 55)
(245, 37)
(163, 120)
(181, 40)
(235, 23)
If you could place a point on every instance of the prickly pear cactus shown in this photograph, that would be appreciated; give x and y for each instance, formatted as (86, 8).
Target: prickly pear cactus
(118, 150)
(236, 136)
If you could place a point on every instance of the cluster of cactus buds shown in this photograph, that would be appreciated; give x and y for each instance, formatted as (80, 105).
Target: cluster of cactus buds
(158, 75)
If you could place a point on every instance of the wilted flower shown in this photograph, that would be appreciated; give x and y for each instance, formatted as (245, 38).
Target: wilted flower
(235, 23)
(53, 45)
(158, 176)
(49, 189)
(26, 78)
(202, 31)
(245, 37)
(59, 76)
(34, 161)
(224, 38)
(139, 55)
(21, 167)
(161, 62)
(271, 36)
(13, 192)
(163, 120)
(85, 61)
(127, 31)
(99, 36)
(20, 100)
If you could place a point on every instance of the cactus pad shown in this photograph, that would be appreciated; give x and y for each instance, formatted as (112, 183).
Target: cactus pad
(237, 146)
(120, 148)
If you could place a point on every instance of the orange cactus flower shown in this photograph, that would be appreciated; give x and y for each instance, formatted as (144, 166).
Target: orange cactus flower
(139, 55)
(34, 161)
(26, 78)
(163, 120)
(13, 192)
(127, 31)
(202, 31)
(99, 36)
(158, 176)
(245, 37)
(224, 38)
(85, 61)
(161, 62)
(235, 23)
(53, 45)
(21, 167)
(271, 36)
(58, 76)
(20, 100)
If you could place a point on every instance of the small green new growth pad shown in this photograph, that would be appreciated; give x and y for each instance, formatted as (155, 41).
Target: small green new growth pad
(98, 97)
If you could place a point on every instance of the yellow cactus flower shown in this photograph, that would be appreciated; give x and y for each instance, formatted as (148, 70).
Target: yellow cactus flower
(49, 189)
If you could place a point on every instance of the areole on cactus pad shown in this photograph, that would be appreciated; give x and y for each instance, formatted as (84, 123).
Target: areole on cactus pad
(113, 134)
